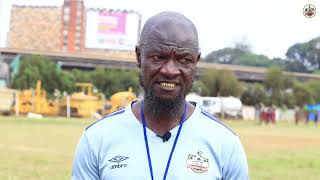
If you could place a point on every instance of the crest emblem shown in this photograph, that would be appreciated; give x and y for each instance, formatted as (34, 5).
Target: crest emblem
(198, 163)
(309, 11)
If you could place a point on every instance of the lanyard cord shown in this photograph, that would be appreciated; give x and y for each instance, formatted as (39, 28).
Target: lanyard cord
(174, 144)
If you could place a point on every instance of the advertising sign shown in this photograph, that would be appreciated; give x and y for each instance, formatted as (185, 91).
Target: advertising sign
(111, 30)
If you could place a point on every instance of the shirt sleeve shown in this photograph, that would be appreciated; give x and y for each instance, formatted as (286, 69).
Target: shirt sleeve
(236, 167)
(85, 164)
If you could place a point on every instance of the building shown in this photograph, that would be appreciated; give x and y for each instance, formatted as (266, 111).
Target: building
(74, 28)
(4, 19)
(35, 27)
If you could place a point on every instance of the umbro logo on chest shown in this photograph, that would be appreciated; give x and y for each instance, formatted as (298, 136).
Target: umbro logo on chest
(118, 159)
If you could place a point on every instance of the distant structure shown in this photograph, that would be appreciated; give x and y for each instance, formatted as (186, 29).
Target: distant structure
(2, 26)
(34, 27)
(4, 74)
(73, 28)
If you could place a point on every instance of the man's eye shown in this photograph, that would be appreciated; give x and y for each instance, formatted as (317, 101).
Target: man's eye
(185, 60)
(158, 58)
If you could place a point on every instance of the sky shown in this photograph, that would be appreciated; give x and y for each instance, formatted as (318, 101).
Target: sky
(270, 27)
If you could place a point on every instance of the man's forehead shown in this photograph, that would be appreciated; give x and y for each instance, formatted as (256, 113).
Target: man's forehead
(163, 37)
(169, 30)
(154, 45)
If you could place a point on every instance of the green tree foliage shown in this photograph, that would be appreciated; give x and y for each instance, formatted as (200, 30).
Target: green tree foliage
(303, 94)
(295, 66)
(306, 53)
(241, 57)
(253, 94)
(68, 82)
(276, 83)
(81, 75)
(107, 81)
(250, 59)
(315, 89)
(110, 81)
(316, 72)
(224, 56)
(289, 100)
(246, 58)
(221, 83)
(36, 67)
(200, 88)
(274, 79)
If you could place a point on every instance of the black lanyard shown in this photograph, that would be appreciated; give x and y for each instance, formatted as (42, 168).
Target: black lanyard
(174, 144)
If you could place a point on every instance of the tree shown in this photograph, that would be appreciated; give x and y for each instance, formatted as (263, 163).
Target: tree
(296, 66)
(223, 56)
(242, 57)
(250, 59)
(306, 53)
(303, 94)
(274, 79)
(316, 71)
(68, 82)
(314, 86)
(289, 99)
(200, 88)
(276, 83)
(221, 83)
(36, 67)
(110, 81)
(253, 94)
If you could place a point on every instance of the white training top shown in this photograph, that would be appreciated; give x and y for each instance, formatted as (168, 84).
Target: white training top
(113, 148)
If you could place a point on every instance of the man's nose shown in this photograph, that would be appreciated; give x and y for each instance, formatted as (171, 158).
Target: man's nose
(170, 68)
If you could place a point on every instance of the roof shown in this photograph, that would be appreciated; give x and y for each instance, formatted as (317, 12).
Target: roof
(113, 10)
(33, 6)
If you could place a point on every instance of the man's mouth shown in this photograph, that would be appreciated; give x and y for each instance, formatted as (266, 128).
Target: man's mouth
(166, 84)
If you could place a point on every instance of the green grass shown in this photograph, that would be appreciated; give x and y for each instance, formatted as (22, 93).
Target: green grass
(283, 151)
(43, 148)
(38, 148)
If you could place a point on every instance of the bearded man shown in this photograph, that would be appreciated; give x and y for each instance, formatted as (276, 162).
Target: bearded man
(162, 136)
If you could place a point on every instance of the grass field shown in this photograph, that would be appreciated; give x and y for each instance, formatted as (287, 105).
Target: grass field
(43, 148)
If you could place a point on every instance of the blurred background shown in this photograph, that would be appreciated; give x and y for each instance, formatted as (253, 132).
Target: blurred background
(66, 63)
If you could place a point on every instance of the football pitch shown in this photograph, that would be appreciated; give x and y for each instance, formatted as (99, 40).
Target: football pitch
(43, 148)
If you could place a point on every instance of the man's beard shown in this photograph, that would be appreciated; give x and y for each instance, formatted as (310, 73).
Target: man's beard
(171, 107)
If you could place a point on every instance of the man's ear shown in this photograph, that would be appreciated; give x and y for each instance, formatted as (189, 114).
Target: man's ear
(138, 56)
(199, 55)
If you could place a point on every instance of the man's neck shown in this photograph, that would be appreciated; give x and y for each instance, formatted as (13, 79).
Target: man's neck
(161, 121)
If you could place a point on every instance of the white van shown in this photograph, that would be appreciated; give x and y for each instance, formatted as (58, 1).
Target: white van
(217, 106)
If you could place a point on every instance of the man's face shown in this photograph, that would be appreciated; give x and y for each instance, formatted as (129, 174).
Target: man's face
(168, 63)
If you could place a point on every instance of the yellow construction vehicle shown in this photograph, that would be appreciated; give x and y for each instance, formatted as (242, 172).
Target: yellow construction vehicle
(83, 103)
(36, 101)
(119, 100)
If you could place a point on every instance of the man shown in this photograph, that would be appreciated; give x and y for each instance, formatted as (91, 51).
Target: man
(162, 136)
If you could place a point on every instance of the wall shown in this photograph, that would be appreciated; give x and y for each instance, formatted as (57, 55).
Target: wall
(34, 27)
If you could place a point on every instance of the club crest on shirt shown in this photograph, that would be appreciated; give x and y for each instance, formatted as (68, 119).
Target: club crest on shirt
(198, 163)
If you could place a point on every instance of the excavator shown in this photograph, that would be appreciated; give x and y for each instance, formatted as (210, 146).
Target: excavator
(84, 103)
(35, 101)
(119, 100)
